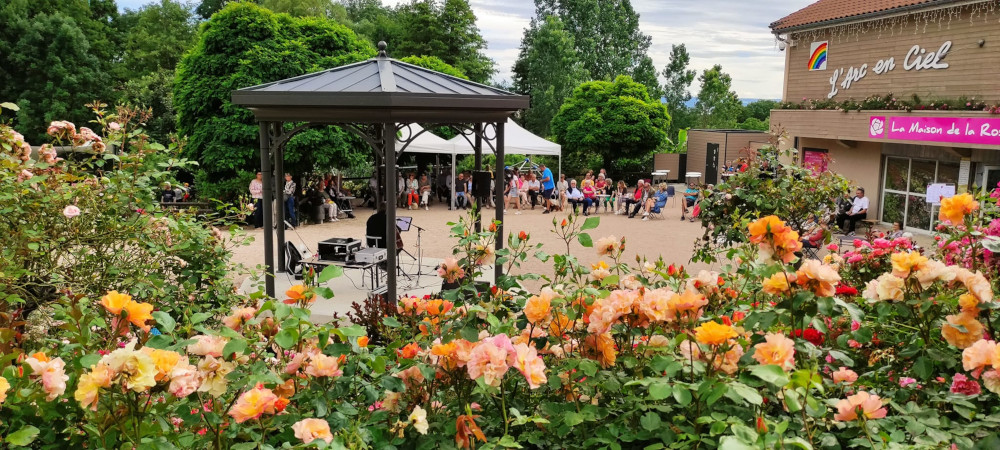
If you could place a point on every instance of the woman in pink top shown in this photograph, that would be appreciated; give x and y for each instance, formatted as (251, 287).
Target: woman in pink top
(589, 196)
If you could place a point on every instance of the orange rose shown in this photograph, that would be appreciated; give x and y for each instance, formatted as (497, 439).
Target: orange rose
(973, 330)
(954, 209)
(409, 351)
(863, 403)
(253, 403)
(308, 430)
(363, 341)
(299, 293)
(777, 350)
(139, 314)
(822, 279)
(115, 301)
(714, 333)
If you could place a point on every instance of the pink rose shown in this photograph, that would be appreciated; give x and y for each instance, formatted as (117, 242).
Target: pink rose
(961, 384)
(114, 126)
(906, 381)
(71, 211)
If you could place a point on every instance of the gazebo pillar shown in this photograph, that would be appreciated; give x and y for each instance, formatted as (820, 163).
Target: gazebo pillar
(389, 157)
(267, 205)
(478, 168)
(279, 183)
(498, 193)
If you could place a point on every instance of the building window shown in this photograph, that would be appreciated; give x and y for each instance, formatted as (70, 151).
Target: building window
(904, 190)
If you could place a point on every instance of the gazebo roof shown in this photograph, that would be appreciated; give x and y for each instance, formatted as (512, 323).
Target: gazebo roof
(380, 89)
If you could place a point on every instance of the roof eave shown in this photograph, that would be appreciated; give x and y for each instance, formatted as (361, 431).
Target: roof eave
(867, 16)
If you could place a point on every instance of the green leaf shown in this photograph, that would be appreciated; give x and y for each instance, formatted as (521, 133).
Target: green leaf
(585, 240)
(235, 346)
(354, 331)
(287, 338)
(10, 106)
(572, 418)
(26, 435)
(771, 374)
(329, 273)
(590, 223)
(733, 443)
(659, 391)
(650, 421)
(923, 367)
(89, 360)
(391, 322)
(164, 322)
(199, 318)
(745, 433)
(746, 393)
(682, 395)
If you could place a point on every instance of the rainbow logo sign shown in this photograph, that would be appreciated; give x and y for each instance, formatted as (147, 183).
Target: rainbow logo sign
(817, 55)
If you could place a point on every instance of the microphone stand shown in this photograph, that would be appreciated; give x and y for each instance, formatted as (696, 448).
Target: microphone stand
(420, 252)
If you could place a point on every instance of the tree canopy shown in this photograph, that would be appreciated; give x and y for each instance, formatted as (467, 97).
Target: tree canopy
(610, 121)
(445, 29)
(548, 68)
(607, 37)
(245, 45)
(718, 106)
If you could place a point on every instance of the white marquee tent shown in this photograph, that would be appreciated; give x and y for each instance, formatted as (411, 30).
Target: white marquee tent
(517, 140)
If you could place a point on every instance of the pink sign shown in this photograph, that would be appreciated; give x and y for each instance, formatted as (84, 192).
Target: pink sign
(815, 160)
(954, 130)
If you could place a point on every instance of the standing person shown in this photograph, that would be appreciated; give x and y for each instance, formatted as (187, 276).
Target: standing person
(548, 187)
(289, 194)
(636, 198)
(425, 191)
(257, 194)
(412, 189)
(513, 193)
(168, 195)
(858, 212)
(534, 188)
(562, 186)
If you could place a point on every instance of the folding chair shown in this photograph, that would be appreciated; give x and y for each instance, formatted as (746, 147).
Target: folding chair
(655, 213)
(672, 194)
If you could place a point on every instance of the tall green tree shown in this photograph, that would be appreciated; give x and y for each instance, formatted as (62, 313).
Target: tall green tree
(206, 8)
(548, 68)
(676, 90)
(306, 8)
(718, 106)
(434, 63)
(374, 21)
(244, 45)
(445, 29)
(607, 36)
(154, 39)
(48, 63)
(606, 122)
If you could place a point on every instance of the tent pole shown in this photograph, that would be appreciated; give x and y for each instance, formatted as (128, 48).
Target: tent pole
(389, 150)
(560, 164)
(267, 198)
(451, 201)
(498, 192)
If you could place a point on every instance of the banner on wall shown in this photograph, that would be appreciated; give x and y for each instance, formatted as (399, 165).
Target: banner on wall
(815, 160)
(952, 130)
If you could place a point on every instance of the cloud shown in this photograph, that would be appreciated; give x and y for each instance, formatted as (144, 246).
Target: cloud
(732, 33)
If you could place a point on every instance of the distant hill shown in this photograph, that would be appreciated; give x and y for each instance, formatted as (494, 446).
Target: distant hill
(694, 100)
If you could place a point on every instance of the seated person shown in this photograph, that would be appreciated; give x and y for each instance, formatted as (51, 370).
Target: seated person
(657, 201)
(897, 231)
(690, 199)
(589, 196)
(574, 196)
(375, 231)
(636, 198)
(461, 200)
(815, 237)
(329, 207)
(647, 192)
(425, 191)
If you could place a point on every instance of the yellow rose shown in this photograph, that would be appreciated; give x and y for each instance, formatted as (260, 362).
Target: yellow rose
(954, 209)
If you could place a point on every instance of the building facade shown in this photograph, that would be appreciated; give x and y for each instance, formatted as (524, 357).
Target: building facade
(900, 96)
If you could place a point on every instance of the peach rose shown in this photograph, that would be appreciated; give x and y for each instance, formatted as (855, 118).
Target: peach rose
(207, 345)
(253, 403)
(844, 375)
(863, 403)
(962, 339)
(308, 430)
(777, 350)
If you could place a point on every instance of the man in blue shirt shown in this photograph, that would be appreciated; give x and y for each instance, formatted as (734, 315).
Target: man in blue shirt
(548, 186)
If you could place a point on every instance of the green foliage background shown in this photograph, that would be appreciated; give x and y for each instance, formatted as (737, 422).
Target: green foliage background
(245, 45)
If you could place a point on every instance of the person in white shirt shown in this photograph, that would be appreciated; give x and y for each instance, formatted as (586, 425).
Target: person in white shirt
(574, 195)
(858, 212)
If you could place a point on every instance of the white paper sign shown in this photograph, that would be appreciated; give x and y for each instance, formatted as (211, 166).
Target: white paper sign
(937, 191)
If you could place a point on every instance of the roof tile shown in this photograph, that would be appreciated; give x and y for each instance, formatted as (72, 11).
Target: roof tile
(827, 10)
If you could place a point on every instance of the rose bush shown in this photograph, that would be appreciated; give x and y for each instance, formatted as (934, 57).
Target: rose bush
(769, 352)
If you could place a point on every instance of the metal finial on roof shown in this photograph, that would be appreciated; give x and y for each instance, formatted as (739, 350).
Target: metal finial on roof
(381, 49)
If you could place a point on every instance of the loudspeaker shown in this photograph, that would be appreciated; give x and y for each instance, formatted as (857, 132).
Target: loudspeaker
(481, 184)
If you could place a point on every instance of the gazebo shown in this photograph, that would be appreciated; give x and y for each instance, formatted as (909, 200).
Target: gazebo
(377, 99)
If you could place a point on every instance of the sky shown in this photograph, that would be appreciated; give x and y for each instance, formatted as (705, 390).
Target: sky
(732, 33)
